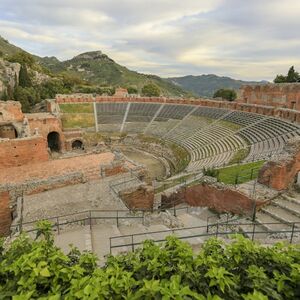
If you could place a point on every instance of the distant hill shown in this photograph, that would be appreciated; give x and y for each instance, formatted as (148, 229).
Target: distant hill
(6, 48)
(206, 85)
(98, 69)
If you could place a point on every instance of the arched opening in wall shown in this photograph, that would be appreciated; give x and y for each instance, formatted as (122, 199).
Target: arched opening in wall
(77, 145)
(8, 131)
(1, 116)
(53, 141)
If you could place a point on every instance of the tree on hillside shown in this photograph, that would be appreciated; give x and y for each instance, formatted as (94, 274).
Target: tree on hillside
(132, 90)
(150, 90)
(227, 94)
(22, 58)
(27, 96)
(24, 79)
(292, 76)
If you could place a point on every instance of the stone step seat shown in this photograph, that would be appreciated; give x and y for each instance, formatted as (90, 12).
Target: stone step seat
(281, 214)
(275, 225)
(291, 206)
(260, 232)
(213, 161)
(190, 220)
(294, 199)
(134, 127)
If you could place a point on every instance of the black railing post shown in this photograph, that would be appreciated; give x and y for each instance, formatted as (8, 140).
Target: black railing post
(90, 217)
(251, 175)
(217, 231)
(254, 211)
(132, 245)
(236, 179)
(110, 245)
(292, 234)
(253, 231)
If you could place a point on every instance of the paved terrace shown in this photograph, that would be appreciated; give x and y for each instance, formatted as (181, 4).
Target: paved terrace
(58, 167)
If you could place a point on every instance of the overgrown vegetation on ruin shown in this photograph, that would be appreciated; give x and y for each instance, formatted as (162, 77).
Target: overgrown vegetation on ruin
(76, 108)
(181, 155)
(31, 269)
(76, 120)
(239, 155)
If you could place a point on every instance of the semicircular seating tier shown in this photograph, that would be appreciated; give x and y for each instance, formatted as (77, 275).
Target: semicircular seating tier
(212, 136)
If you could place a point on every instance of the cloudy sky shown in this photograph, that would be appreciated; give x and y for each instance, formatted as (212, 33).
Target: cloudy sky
(252, 39)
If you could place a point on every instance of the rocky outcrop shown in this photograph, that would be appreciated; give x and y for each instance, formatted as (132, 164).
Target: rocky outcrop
(9, 75)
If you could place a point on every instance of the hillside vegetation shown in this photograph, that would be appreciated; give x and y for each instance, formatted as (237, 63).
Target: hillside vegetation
(90, 72)
(31, 269)
(207, 85)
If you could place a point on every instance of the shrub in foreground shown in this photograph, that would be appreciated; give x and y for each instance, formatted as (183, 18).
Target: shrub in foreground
(31, 269)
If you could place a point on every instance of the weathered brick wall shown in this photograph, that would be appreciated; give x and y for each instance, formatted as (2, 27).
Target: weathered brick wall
(10, 111)
(46, 123)
(23, 151)
(284, 95)
(281, 172)
(138, 198)
(215, 196)
(5, 213)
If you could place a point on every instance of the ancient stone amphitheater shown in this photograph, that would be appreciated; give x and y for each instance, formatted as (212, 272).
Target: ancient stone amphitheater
(102, 200)
(211, 135)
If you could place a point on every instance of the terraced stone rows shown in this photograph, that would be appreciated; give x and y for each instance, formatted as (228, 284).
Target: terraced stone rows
(200, 131)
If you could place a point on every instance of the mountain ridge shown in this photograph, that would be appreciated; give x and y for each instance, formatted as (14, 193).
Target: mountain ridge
(207, 84)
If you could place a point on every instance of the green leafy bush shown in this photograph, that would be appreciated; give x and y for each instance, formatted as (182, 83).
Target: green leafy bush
(238, 270)
(211, 172)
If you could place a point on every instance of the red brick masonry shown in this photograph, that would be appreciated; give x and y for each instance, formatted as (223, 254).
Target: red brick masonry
(215, 196)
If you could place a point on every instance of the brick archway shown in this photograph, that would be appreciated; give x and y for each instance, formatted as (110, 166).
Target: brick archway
(8, 131)
(53, 140)
(77, 144)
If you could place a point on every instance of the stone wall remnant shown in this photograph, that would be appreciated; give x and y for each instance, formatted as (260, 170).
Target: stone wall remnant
(141, 197)
(282, 171)
(216, 196)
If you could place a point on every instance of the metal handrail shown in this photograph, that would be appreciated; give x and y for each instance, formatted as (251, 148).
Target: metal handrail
(117, 216)
(202, 226)
(253, 232)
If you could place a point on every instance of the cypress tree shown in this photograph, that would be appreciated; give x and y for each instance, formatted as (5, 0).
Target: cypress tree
(24, 80)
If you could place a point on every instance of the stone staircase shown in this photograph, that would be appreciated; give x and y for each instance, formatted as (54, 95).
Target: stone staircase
(189, 224)
(283, 209)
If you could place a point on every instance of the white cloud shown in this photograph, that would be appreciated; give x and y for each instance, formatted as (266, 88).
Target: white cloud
(245, 39)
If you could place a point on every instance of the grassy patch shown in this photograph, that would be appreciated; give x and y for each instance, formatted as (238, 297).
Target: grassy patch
(76, 108)
(78, 120)
(240, 173)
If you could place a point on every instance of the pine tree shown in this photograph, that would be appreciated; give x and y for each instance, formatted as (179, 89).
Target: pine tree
(292, 75)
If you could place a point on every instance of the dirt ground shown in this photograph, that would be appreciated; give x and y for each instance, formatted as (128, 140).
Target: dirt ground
(155, 166)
